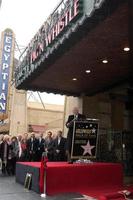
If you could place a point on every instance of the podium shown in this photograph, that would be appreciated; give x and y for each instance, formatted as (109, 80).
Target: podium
(85, 139)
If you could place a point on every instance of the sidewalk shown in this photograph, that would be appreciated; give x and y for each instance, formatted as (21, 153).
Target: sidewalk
(10, 190)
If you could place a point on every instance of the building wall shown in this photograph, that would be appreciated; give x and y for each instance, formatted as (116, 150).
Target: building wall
(51, 117)
(115, 121)
(110, 108)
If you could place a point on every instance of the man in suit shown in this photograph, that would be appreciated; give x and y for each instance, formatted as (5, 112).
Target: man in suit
(69, 124)
(40, 148)
(4, 154)
(32, 145)
(60, 147)
(49, 148)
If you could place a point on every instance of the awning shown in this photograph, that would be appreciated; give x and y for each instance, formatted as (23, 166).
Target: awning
(74, 64)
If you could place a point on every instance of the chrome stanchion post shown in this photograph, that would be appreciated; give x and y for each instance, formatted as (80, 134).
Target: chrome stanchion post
(43, 195)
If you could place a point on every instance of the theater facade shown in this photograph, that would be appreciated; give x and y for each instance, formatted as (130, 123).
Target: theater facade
(85, 50)
(17, 114)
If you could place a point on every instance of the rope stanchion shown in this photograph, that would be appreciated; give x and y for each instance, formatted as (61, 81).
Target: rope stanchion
(43, 173)
(43, 195)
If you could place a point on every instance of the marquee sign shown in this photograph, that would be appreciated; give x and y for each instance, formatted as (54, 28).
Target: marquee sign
(5, 69)
(56, 24)
(64, 21)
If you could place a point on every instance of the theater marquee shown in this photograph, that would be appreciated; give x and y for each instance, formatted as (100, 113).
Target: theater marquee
(60, 25)
(64, 18)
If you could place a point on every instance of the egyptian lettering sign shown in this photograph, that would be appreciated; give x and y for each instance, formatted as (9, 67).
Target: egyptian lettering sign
(5, 70)
(84, 143)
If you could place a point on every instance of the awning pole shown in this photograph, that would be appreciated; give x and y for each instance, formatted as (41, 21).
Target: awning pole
(41, 100)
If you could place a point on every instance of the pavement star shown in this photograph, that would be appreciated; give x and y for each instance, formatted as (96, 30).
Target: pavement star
(87, 148)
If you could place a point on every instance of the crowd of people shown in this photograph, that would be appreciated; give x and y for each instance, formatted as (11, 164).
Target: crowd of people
(31, 147)
(27, 147)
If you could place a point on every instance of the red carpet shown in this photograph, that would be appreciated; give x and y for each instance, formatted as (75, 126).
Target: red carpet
(33, 164)
(100, 180)
(108, 193)
(82, 177)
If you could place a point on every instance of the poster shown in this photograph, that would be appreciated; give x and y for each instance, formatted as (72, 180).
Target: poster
(85, 138)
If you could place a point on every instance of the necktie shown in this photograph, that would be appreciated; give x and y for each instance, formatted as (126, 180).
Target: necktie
(58, 141)
(20, 149)
(32, 144)
(76, 117)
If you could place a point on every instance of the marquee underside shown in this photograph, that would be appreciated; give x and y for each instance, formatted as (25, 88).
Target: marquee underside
(101, 36)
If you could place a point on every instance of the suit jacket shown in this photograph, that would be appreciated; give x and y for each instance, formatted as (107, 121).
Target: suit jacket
(2, 150)
(41, 145)
(69, 123)
(50, 148)
(49, 144)
(40, 148)
(62, 149)
(35, 145)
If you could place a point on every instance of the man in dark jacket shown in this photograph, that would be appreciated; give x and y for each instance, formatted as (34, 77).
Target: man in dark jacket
(69, 124)
(32, 145)
(49, 148)
(40, 147)
(60, 147)
(4, 154)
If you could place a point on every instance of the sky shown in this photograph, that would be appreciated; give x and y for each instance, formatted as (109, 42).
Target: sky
(25, 17)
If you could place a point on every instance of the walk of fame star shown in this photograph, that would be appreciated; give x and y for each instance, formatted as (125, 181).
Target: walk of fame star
(87, 148)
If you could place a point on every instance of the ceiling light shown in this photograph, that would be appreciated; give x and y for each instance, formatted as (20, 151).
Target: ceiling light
(126, 49)
(88, 71)
(105, 61)
(74, 79)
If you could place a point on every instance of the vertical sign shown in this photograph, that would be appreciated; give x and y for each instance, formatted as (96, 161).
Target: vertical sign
(5, 69)
(85, 138)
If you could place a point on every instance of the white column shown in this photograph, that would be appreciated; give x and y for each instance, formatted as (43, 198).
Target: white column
(18, 113)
